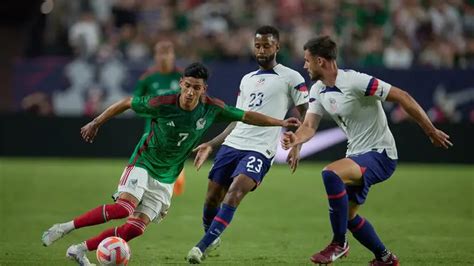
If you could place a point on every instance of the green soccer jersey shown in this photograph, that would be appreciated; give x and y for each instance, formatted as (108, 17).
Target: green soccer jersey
(174, 132)
(154, 83)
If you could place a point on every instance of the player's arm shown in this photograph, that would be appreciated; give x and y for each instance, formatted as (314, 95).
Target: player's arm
(437, 137)
(205, 149)
(89, 131)
(293, 156)
(258, 119)
(304, 133)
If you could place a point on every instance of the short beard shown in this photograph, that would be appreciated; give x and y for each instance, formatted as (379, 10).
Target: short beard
(265, 62)
(315, 77)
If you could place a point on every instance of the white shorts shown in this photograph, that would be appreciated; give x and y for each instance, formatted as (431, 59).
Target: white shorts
(154, 197)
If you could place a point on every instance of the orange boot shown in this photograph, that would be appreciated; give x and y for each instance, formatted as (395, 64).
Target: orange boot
(178, 188)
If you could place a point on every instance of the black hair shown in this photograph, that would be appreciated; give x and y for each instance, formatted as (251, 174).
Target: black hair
(196, 70)
(268, 30)
(322, 46)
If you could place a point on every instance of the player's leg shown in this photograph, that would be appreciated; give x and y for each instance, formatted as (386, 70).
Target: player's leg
(241, 185)
(335, 178)
(178, 188)
(154, 205)
(133, 227)
(214, 196)
(248, 173)
(220, 178)
(375, 167)
(365, 233)
(239, 188)
(121, 208)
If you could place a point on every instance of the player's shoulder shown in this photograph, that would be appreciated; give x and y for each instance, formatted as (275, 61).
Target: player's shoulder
(249, 75)
(212, 101)
(346, 74)
(287, 72)
(165, 98)
(317, 86)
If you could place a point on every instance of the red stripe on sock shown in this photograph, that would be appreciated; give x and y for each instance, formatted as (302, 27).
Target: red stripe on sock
(93, 243)
(359, 226)
(337, 196)
(220, 220)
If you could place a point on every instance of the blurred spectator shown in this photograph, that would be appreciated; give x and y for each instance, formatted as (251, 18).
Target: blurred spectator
(438, 54)
(80, 74)
(398, 54)
(84, 35)
(217, 28)
(408, 18)
(371, 49)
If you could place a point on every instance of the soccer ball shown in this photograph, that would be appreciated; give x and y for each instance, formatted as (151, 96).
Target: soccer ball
(113, 251)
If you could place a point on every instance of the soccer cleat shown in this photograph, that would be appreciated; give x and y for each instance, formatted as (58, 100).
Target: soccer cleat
(331, 253)
(391, 260)
(52, 234)
(212, 247)
(77, 253)
(194, 256)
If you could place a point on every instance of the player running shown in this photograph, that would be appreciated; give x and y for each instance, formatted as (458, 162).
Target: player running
(162, 77)
(247, 152)
(144, 192)
(353, 100)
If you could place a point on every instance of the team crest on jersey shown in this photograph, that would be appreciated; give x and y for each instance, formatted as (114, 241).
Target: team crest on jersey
(333, 104)
(200, 123)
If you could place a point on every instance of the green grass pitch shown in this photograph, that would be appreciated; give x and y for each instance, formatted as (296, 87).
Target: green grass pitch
(424, 213)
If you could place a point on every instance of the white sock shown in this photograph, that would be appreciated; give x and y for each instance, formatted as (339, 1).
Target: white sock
(68, 226)
(83, 246)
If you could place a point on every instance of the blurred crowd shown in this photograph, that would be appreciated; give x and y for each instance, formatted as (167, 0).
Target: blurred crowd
(391, 33)
(107, 38)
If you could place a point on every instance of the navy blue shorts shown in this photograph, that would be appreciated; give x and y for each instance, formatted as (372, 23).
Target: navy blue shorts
(376, 167)
(230, 162)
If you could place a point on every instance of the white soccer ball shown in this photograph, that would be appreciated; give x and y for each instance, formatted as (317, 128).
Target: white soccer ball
(113, 251)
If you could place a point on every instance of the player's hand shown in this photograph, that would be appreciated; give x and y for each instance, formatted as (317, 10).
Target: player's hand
(288, 140)
(293, 158)
(89, 131)
(202, 152)
(291, 122)
(440, 139)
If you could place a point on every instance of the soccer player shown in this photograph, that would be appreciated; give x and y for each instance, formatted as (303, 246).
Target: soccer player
(353, 100)
(162, 77)
(178, 122)
(247, 151)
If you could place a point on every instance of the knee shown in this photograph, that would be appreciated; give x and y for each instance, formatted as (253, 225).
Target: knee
(120, 209)
(234, 197)
(352, 214)
(329, 175)
(213, 200)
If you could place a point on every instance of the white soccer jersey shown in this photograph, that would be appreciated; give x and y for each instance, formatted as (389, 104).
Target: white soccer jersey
(270, 92)
(355, 104)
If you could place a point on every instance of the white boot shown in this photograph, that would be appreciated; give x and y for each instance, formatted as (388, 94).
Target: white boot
(77, 253)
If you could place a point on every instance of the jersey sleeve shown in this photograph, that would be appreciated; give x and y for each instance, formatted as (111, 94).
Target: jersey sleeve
(368, 86)
(240, 96)
(230, 113)
(147, 106)
(315, 105)
(239, 102)
(140, 88)
(298, 89)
